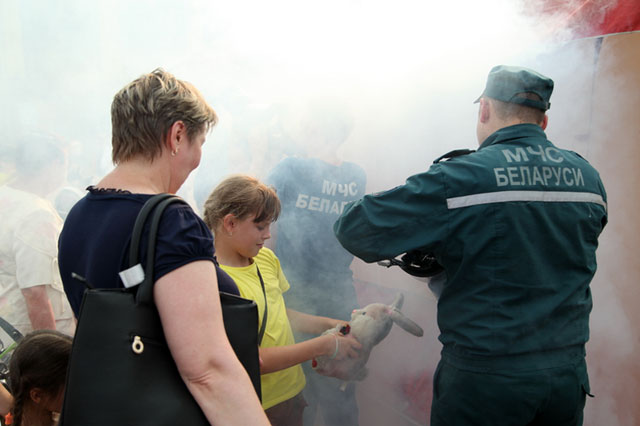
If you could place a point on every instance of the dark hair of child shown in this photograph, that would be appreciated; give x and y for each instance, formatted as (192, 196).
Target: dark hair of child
(37, 374)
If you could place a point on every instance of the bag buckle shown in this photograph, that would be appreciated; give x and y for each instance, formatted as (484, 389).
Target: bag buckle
(137, 346)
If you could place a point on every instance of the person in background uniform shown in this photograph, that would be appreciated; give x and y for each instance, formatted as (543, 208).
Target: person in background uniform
(31, 292)
(313, 191)
(515, 226)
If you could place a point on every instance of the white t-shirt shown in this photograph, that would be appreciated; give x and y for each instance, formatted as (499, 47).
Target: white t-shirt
(29, 230)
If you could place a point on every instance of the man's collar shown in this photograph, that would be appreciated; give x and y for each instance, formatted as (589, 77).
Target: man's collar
(513, 132)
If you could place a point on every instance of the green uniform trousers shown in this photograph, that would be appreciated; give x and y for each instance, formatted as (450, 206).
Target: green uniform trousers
(465, 396)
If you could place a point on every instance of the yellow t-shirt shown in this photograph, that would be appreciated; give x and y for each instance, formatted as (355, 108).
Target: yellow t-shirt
(281, 385)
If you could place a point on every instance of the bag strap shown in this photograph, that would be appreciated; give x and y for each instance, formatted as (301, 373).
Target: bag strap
(139, 226)
(156, 204)
(264, 315)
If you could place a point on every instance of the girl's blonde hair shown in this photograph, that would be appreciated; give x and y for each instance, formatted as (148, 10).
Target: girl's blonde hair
(241, 196)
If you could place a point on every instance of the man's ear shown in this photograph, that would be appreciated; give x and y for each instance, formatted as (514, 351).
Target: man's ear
(484, 114)
(545, 121)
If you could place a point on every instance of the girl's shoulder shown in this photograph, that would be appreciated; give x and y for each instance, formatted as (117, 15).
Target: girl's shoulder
(266, 255)
(267, 260)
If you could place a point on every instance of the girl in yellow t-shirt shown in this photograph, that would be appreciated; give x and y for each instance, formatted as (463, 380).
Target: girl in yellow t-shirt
(240, 211)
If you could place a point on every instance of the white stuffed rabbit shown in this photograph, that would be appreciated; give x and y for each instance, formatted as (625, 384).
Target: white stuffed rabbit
(368, 326)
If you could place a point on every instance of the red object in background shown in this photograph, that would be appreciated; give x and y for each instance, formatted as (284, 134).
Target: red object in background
(590, 18)
(624, 17)
(417, 389)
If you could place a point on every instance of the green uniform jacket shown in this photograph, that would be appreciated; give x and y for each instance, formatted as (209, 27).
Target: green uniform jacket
(515, 225)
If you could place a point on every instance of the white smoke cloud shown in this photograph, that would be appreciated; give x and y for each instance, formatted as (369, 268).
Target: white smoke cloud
(408, 70)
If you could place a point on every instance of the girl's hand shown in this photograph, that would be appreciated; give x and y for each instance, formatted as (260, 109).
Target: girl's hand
(342, 347)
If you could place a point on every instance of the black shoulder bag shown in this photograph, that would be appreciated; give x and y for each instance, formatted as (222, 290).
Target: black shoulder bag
(121, 371)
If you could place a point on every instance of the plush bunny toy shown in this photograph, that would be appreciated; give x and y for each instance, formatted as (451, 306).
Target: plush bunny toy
(368, 326)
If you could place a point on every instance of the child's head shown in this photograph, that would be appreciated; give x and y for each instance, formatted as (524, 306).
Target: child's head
(242, 197)
(239, 211)
(37, 372)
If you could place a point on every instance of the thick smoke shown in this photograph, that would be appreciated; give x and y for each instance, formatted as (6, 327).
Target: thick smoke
(407, 72)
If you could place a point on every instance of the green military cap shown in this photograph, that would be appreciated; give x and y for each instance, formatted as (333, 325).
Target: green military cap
(506, 82)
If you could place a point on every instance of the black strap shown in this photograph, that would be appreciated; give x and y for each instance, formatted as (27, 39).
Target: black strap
(10, 330)
(453, 154)
(157, 204)
(139, 225)
(264, 316)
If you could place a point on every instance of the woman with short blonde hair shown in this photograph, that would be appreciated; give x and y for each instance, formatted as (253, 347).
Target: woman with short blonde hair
(159, 126)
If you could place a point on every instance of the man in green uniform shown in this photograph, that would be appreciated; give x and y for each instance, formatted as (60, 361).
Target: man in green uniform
(515, 225)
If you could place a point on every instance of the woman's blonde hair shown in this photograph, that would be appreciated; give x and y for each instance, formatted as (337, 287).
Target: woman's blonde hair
(145, 109)
(241, 196)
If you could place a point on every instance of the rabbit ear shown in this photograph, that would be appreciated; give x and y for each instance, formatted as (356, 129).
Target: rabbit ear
(405, 323)
(398, 301)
